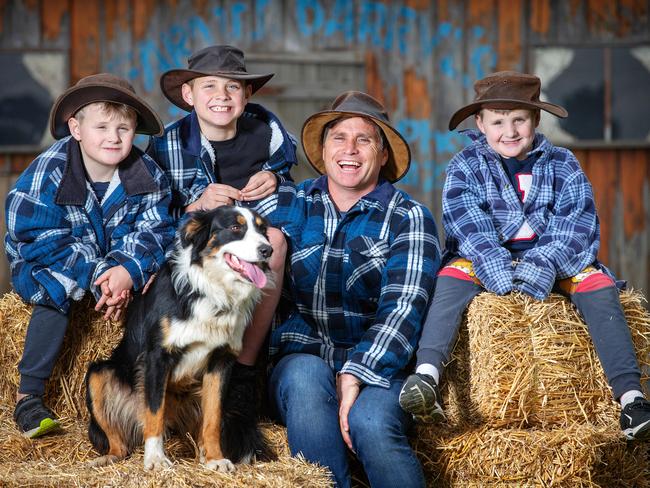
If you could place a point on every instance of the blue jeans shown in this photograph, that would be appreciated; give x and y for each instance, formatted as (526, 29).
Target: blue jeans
(302, 389)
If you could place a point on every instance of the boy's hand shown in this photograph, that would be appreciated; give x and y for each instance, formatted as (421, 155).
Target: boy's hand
(116, 284)
(260, 185)
(215, 195)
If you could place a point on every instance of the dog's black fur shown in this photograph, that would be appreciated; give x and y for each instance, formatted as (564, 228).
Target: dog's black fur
(171, 369)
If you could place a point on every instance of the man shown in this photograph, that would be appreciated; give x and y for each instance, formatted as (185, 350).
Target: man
(363, 257)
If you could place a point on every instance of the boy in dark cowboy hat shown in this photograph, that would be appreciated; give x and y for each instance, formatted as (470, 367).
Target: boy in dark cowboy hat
(519, 215)
(363, 259)
(90, 214)
(226, 151)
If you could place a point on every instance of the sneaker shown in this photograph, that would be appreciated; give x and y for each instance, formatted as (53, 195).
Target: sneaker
(421, 398)
(635, 420)
(33, 418)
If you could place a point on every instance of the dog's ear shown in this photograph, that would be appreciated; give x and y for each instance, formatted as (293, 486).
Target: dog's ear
(195, 232)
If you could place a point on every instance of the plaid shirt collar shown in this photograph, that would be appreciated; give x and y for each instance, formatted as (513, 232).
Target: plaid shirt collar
(382, 193)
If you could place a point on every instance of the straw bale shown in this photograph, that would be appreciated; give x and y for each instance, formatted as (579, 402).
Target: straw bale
(88, 338)
(61, 461)
(532, 363)
(579, 455)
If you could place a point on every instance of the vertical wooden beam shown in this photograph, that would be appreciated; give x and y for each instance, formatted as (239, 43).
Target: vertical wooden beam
(540, 16)
(510, 33)
(84, 52)
(603, 173)
(52, 13)
(633, 177)
(142, 12)
(418, 101)
(374, 84)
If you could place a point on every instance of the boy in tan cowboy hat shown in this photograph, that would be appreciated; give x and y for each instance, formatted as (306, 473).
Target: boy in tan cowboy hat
(226, 151)
(519, 215)
(90, 214)
(363, 259)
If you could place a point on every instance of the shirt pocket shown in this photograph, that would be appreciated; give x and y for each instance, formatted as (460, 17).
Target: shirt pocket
(306, 254)
(367, 257)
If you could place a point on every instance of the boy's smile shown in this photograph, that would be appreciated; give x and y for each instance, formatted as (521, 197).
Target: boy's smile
(218, 103)
(105, 139)
(510, 133)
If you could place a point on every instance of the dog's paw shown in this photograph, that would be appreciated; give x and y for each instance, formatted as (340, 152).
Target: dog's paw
(103, 461)
(221, 465)
(156, 462)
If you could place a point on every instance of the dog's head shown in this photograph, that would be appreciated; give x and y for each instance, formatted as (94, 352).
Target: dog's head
(229, 237)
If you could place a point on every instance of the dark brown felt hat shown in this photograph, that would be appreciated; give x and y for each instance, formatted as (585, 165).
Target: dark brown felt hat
(224, 61)
(506, 90)
(102, 87)
(357, 104)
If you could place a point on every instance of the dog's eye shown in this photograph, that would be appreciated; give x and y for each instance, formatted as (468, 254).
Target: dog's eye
(235, 228)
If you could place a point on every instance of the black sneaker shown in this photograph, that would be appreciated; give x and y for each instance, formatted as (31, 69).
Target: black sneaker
(33, 418)
(635, 420)
(421, 398)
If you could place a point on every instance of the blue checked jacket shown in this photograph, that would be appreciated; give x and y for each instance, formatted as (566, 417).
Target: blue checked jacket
(481, 211)
(60, 239)
(187, 158)
(358, 285)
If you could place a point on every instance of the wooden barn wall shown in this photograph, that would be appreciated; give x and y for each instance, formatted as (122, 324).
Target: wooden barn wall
(419, 57)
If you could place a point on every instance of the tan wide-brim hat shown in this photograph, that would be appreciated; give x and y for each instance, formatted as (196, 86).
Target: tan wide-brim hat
(102, 87)
(506, 90)
(224, 61)
(357, 104)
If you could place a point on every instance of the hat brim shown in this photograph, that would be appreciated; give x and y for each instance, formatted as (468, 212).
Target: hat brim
(399, 153)
(171, 82)
(79, 96)
(503, 103)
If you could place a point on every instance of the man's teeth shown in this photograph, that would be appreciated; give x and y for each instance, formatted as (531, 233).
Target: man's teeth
(353, 164)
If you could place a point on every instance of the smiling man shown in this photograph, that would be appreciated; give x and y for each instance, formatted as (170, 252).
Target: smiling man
(362, 260)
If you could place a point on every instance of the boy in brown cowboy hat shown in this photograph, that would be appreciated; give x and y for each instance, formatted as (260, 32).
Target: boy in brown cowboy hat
(363, 258)
(90, 214)
(226, 151)
(519, 215)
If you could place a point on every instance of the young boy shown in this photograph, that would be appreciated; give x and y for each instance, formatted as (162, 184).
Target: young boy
(519, 214)
(226, 151)
(89, 214)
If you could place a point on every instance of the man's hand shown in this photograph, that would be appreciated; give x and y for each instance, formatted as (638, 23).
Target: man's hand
(215, 195)
(347, 389)
(259, 186)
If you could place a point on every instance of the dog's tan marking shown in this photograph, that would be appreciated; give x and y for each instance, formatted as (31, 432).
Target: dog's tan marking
(192, 227)
(165, 328)
(241, 220)
(154, 422)
(258, 221)
(96, 385)
(211, 406)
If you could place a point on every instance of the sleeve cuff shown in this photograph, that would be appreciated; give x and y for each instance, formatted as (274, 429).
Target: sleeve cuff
(536, 281)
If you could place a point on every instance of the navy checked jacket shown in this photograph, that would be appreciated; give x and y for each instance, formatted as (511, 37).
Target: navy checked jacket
(187, 158)
(60, 239)
(358, 285)
(481, 211)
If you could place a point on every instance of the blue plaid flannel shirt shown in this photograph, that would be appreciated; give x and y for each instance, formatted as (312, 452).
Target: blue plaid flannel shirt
(186, 157)
(481, 211)
(60, 239)
(358, 285)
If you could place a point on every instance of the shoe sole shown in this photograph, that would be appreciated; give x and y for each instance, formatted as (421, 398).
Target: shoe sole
(413, 401)
(46, 426)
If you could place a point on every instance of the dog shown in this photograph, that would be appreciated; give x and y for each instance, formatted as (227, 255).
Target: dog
(170, 371)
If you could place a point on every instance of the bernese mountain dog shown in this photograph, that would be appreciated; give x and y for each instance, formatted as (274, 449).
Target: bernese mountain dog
(171, 369)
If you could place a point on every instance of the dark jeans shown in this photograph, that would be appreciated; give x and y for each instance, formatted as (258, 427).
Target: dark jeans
(43, 341)
(302, 390)
(600, 309)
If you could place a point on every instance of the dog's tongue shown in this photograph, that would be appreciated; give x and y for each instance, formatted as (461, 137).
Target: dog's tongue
(253, 273)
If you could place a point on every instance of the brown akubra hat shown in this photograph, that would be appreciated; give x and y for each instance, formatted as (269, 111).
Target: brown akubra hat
(102, 87)
(354, 103)
(506, 90)
(224, 61)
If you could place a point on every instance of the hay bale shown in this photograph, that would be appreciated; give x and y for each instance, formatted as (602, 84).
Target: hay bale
(532, 363)
(579, 455)
(88, 338)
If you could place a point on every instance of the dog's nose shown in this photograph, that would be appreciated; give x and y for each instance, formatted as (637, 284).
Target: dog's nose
(265, 251)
